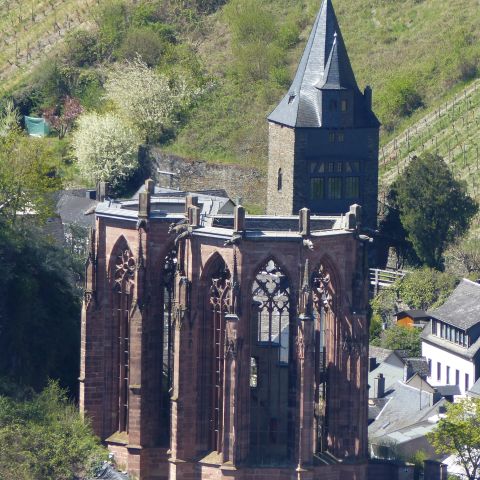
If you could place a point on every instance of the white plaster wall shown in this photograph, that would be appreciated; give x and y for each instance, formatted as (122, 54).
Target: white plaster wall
(455, 362)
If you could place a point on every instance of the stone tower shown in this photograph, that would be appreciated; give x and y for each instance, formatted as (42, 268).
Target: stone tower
(323, 135)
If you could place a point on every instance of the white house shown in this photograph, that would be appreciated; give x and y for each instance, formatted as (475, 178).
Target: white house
(451, 339)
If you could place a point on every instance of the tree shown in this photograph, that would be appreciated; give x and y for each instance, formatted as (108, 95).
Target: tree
(43, 436)
(39, 310)
(28, 178)
(463, 257)
(459, 434)
(151, 100)
(63, 122)
(402, 338)
(425, 288)
(106, 148)
(434, 207)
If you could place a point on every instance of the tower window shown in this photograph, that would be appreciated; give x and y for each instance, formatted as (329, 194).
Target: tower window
(279, 180)
(340, 137)
(335, 188)
(344, 105)
(352, 187)
(317, 186)
(332, 105)
(331, 137)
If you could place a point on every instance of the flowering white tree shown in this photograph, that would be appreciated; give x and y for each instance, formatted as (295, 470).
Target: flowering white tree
(106, 147)
(148, 98)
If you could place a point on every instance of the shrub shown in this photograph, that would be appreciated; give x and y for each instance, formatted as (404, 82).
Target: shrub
(81, 48)
(150, 99)
(144, 43)
(106, 148)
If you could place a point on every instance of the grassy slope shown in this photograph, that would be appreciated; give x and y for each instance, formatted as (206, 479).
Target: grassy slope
(426, 42)
(29, 29)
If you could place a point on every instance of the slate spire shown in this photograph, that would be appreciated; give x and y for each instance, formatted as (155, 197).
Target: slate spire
(324, 66)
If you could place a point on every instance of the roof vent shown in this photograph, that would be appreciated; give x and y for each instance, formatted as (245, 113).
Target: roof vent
(291, 97)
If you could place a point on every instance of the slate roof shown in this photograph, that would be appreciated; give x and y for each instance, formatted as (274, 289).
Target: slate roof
(415, 314)
(462, 308)
(262, 222)
(419, 365)
(379, 353)
(71, 207)
(324, 66)
(475, 390)
(448, 390)
(406, 406)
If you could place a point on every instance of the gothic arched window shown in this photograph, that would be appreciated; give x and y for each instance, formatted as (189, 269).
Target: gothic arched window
(219, 306)
(322, 302)
(124, 280)
(168, 285)
(272, 376)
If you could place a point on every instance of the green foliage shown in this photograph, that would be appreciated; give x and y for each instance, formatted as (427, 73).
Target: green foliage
(28, 178)
(400, 98)
(384, 304)
(434, 207)
(375, 327)
(463, 257)
(39, 310)
(43, 436)
(81, 48)
(459, 434)
(402, 338)
(425, 288)
(143, 42)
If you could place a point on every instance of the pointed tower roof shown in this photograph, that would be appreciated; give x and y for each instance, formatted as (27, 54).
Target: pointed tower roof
(324, 66)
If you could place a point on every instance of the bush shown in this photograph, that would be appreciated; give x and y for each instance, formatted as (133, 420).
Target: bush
(81, 48)
(106, 148)
(44, 437)
(403, 338)
(144, 43)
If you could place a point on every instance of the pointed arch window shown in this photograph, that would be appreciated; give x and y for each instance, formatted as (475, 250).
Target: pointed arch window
(124, 280)
(219, 305)
(322, 302)
(272, 375)
(168, 287)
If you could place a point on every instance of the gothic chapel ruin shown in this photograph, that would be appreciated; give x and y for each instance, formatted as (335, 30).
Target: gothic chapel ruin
(221, 345)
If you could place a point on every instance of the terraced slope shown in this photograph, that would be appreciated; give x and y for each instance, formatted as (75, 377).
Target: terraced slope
(30, 29)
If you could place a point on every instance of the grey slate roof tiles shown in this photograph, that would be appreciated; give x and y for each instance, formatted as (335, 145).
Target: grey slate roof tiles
(462, 308)
(324, 66)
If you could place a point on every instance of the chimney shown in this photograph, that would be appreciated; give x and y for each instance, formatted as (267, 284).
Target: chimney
(239, 219)
(379, 386)
(304, 222)
(372, 363)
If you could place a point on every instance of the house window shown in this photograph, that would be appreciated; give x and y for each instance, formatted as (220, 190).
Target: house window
(331, 137)
(457, 377)
(439, 371)
(352, 187)
(279, 180)
(429, 367)
(344, 105)
(434, 327)
(335, 188)
(457, 336)
(317, 188)
(448, 375)
(467, 382)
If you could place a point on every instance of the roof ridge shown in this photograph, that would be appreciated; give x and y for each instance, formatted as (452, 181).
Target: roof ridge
(467, 280)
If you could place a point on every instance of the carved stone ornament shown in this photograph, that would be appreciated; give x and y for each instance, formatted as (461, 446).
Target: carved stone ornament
(87, 298)
(300, 347)
(125, 267)
(322, 296)
(231, 347)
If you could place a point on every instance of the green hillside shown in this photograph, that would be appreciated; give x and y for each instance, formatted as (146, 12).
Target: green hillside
(29, 30)
(415, 54)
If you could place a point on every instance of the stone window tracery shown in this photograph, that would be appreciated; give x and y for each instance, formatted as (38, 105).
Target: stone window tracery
(124, 279)
(219, 301)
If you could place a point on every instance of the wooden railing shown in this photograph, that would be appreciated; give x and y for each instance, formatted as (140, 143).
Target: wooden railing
(383, 278)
